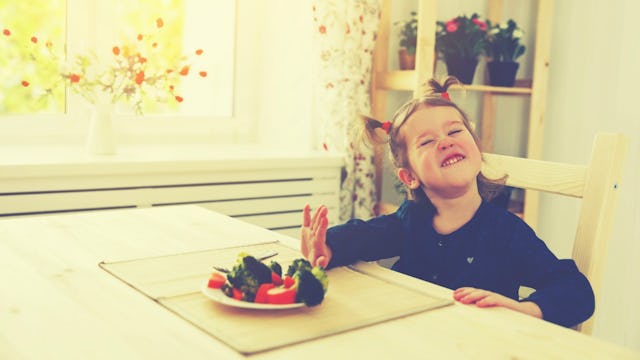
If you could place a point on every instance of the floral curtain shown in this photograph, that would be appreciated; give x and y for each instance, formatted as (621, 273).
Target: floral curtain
(343, 45)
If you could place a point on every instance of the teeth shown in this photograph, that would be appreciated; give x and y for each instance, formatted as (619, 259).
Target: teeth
(452, 160)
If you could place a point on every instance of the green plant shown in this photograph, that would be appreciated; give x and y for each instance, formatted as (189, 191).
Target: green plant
(461, 37)
(409, 33)
(504, 42)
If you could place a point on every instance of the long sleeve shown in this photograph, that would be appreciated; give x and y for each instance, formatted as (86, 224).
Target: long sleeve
(563, 293)
(374, 239)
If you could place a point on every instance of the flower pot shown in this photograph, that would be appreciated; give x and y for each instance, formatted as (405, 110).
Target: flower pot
(463, 69)
(502, 73)
(407, 61)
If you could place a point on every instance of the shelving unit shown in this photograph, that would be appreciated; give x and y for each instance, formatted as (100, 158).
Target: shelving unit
(385, 80)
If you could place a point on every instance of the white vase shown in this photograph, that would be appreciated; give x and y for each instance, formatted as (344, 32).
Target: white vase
(101, 138)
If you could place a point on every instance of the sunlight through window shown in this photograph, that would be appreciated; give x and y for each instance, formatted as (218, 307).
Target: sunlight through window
(35, 72)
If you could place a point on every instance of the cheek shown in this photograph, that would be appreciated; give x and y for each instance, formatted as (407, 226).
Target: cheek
(475, 155)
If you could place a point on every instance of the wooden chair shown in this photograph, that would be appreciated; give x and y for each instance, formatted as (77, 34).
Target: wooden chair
(595, 183)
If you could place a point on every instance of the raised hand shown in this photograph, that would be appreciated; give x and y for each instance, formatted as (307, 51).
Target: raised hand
(314, 236)
(485, 298)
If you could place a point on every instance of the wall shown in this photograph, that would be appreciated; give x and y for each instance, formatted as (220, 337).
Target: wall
(284, 85)
(595, 60)
(594, 69)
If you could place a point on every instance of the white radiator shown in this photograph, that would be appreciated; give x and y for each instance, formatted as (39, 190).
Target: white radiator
(269, 192)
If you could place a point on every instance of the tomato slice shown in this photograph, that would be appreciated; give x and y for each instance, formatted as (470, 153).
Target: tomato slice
(288, 281)
(237, 294)
(261, 294)
(280, 295)
(216, 280)
(276, 279)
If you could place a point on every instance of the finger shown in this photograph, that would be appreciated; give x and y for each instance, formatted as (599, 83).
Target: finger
(321, 261)
(320, 215)
(316, 215)
(306, 216)
(473, 297)
(462, 292)
(320, 233)
(489, 301)
(497, 300)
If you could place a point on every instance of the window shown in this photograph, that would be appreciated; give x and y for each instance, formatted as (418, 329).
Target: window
(28, 72)
(35, 35)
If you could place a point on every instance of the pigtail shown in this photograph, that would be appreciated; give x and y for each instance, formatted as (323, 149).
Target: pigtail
(371, 134)
(440, 88)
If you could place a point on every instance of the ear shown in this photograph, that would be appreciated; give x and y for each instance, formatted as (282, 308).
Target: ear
(408, 178)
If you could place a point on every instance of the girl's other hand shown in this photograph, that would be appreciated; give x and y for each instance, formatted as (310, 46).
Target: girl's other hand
(485, 298)
(314, 236)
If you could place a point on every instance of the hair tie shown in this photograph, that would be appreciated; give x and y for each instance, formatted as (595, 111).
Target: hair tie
(386, 126)
(445, 95)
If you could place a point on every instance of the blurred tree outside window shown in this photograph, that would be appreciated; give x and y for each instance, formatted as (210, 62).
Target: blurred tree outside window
(35, 36)
(33, 32)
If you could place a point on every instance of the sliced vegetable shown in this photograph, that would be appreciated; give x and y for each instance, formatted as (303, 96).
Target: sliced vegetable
(216, 280)
(276, 279)
(288, 281)
(261, 294)
(280, 295)
(237, 294)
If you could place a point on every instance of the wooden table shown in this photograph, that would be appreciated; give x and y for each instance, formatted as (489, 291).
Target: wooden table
(57, 303)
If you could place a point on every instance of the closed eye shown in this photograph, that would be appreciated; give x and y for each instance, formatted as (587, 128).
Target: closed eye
(452, 132)
(426, 142)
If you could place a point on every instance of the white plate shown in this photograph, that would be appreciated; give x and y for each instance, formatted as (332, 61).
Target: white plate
(218, 296)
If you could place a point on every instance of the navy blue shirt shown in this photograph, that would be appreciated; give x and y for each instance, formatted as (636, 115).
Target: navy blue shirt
(495, 251)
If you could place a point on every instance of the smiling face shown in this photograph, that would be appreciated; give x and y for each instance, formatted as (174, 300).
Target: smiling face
(443, 158)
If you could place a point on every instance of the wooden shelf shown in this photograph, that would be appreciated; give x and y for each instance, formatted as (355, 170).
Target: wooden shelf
(535, 89)
(405, 80)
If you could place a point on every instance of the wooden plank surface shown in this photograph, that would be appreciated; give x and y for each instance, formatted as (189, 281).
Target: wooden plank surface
(59, 304)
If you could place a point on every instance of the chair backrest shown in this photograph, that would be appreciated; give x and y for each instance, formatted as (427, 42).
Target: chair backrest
(595, 183)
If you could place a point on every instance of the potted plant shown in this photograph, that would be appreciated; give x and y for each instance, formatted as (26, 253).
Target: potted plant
(504, 48)
(408, 41)
(460, 42)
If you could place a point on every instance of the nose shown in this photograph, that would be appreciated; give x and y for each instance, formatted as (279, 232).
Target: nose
(445, 144)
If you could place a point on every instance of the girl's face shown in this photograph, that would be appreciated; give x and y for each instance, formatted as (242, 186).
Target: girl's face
(443, 157)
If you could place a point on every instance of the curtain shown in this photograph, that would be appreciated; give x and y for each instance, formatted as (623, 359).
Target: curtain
(344, 37)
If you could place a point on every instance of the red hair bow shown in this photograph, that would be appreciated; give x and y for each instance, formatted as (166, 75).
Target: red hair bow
(386, 126)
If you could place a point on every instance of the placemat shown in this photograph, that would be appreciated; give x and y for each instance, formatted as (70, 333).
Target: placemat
(354, 299)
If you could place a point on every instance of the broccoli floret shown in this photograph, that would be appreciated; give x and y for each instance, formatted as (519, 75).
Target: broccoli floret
(240, 278)
(321, 275)
(310, 289)
(247, 275)
(276, 268)
(258, 269)
(298, 265)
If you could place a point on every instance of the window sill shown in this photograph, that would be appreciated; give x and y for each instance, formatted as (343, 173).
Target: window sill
(29, 161)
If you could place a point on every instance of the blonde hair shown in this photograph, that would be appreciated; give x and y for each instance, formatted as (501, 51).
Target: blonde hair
(435, 95)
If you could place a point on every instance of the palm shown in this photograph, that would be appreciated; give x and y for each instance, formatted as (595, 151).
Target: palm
(313, 236)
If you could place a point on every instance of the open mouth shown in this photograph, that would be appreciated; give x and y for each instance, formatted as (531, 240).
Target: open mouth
(452, 160)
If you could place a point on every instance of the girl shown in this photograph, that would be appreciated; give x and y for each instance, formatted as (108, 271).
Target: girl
(447, 232)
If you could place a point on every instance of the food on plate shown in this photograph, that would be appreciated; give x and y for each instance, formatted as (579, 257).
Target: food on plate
(217, 280)
(253, 281)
